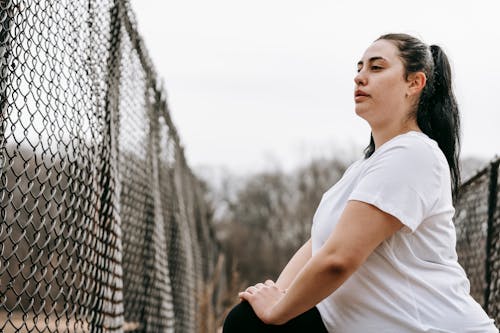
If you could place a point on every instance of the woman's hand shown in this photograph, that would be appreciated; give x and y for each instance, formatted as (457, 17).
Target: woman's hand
(263, 297)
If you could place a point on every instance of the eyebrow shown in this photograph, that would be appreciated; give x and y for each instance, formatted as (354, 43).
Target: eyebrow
(372, 59)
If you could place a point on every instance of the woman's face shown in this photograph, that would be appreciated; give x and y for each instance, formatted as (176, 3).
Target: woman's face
(381, 89)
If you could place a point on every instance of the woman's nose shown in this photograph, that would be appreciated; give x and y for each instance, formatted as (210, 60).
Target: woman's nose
(360, 79)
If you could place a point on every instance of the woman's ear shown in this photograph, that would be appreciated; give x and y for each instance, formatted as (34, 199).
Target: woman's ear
(416, 83)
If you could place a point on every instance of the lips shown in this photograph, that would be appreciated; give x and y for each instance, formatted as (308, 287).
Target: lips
(360, 92)
(360, 95)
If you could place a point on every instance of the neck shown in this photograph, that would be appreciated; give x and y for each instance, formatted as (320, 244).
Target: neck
(381, 136)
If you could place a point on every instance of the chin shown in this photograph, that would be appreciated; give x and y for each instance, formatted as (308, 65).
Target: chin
(360, 110)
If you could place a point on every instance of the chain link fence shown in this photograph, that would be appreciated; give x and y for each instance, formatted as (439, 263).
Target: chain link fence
(103, 226)
(477, 220)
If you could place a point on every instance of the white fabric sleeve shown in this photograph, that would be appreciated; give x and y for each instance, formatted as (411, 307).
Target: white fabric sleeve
(403, 180)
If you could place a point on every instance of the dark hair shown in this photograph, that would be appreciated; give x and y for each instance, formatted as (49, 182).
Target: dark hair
(437, 111)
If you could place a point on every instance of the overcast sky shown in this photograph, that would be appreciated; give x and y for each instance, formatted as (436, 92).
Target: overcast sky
(255, 84)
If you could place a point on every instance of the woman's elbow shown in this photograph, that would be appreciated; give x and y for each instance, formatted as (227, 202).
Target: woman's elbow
(339, 264)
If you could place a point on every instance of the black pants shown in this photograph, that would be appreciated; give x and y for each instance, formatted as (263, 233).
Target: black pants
(242, 319)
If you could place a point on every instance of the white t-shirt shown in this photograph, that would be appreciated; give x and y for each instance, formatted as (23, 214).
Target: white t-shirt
(412, 282)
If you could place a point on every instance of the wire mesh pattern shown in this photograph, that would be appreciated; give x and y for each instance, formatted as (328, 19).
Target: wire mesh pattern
(471, 222)
(477, 221)
(103, 225)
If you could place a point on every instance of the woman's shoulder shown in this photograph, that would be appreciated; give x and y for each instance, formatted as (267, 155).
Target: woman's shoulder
(411, 152)
(412, 146)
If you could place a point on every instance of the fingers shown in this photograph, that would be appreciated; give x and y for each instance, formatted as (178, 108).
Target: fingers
(247, 294)
(252, 289)
(259, 286)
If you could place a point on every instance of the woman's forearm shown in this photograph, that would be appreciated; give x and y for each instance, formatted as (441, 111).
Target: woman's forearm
(320, 277)
(295, 265)
(359, 231)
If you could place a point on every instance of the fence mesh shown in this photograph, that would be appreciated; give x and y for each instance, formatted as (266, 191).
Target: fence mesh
(103, 225)
(477, 220)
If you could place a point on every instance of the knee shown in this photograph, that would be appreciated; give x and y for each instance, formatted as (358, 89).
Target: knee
(242, 318)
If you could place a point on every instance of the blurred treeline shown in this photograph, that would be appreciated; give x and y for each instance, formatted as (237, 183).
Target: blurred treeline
(261, 219)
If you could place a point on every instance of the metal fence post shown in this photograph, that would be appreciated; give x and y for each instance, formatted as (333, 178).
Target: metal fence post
(490, 247)
(6, 15)
(109, 218)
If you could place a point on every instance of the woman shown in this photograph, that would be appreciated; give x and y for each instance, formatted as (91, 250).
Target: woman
(382, 257)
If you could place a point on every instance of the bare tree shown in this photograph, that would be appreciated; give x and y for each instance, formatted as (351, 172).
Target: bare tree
(270, 214)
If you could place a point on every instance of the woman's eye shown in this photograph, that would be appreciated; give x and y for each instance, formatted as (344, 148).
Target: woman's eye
(373, 68)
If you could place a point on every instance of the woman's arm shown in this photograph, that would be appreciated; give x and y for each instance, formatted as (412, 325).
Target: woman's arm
(298, 261)
(361, 228)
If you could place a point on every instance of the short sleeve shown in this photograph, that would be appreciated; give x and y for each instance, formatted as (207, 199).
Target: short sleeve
(403, 180)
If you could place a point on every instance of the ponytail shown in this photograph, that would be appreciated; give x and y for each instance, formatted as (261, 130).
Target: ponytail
(438, 115)
(437, 112)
